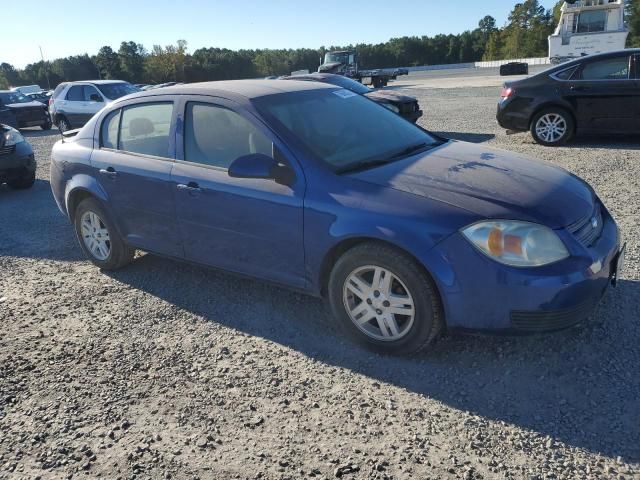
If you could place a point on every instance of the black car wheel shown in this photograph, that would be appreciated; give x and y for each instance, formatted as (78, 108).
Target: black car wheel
(99, 238)
(47, 125)
(552, 126)
(383, 300)
(23, 183)
(63, 124)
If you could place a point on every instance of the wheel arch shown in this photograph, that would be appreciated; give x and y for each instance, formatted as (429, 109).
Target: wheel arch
(343, 246)
(551, 104)
(79, 188)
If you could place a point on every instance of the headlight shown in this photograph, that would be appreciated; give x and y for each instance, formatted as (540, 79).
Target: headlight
(12, 137)
(391, 107)
(519, 244)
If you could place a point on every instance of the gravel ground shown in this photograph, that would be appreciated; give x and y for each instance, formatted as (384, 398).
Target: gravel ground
(165, 370)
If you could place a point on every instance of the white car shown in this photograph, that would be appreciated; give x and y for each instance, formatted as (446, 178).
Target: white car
(74, 103)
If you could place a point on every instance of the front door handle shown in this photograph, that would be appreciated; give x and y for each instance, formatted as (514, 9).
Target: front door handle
(109, 172)
(191, 187)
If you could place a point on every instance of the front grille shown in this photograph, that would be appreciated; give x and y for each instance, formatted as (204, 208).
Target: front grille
(7, 150)
(587, 230)
(544, 321)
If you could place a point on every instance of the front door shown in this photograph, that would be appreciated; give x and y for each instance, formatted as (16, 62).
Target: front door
(603, 93)
(133, 164)
(249, 226)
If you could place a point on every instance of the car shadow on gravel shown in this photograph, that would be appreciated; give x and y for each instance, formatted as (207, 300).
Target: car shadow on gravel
(576, 386)
(467, 137)
(31, 226)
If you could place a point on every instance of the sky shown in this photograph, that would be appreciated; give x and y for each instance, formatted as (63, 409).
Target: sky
(74, 28)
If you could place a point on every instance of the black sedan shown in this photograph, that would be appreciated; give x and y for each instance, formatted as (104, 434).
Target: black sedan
(17, 162)
(407, 107)
(21, 111)
(597, 94)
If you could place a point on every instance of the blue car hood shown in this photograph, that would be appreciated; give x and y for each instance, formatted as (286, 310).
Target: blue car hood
(490, 183)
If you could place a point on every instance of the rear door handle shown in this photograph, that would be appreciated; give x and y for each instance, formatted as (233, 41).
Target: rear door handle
(578, 88)
(109, 172)
(191, 187)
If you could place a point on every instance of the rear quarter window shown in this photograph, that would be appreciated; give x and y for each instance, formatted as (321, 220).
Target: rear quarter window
(109, 130)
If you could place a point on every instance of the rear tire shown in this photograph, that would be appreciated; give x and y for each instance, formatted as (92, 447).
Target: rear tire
(552, 127)
(368, 310)
(99, 238)
(46, 126)
(23, 183)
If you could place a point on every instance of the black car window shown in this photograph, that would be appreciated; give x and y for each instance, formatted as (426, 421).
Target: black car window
(145, 129)
(609, 69)
(565, 74)
(91, 90)
(75, 94)
(109, 130)
(217, 136)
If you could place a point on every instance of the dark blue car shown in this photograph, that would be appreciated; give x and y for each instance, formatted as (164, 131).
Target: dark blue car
(322, 190)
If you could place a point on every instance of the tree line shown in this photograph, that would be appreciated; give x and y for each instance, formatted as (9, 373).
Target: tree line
(524, 35)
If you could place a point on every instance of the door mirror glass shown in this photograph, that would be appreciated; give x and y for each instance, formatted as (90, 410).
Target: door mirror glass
(95, 98)
(254, 165)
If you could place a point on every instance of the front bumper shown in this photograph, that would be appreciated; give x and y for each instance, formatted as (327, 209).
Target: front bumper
(482, 295)
(16, 162)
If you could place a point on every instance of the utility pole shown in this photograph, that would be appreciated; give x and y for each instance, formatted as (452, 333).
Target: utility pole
(46, 69)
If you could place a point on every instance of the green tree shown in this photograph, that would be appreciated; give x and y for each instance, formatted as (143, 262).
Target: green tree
(108, 63)
(132, 58)
(632, 11)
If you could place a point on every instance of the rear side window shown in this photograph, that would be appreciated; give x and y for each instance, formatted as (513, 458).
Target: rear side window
(109, 130)
(609, 69)
(145, 129)
(76, 94)
(566, 74)
(216, 136)
(58, 90)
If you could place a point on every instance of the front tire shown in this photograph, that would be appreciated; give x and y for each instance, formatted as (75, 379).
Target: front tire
(381, 298)
(552, 127)
(98, 237)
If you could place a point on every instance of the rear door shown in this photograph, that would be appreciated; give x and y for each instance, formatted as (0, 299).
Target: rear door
(603, 92)
(133, 163)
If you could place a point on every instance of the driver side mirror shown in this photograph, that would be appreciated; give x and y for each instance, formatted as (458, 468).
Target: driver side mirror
(258, 165)
(94, 97)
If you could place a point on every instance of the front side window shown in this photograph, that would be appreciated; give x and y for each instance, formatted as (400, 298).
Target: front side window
(610, 69)
(76, 94)
(109, 130)
(592, 21)
(144, 129)
(216, 136)
(91, 90)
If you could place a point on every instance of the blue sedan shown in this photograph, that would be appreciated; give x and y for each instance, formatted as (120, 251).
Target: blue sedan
(319, 189)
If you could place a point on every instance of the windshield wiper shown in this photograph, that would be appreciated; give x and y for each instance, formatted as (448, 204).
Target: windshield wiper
(365, 164)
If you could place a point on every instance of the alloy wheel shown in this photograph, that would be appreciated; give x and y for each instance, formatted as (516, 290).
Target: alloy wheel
(551, 127)
(378, 303)
(95, 236)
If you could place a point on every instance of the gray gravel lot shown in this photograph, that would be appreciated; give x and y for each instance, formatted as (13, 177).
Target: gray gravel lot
(166, 370)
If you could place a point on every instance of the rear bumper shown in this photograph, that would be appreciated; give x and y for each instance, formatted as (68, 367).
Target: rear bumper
(512, 119)
(17, 164)
(482, 295)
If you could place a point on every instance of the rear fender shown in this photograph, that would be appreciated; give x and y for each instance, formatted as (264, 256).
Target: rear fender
(82, 183)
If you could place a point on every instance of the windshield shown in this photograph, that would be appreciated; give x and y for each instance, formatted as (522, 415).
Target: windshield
(116, 90)
(347, 83)
(336, 57)
(14, 97)
(343, 129)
